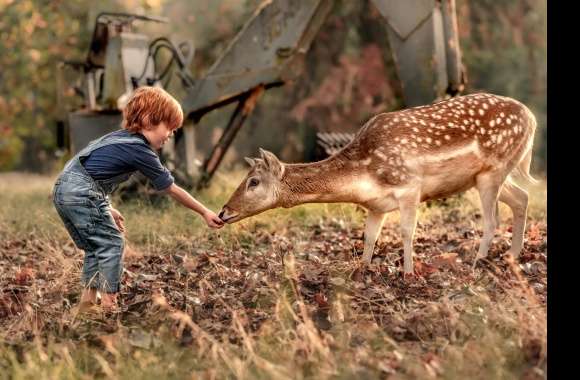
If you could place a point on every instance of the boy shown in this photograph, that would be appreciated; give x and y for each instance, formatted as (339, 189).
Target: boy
(81, 191)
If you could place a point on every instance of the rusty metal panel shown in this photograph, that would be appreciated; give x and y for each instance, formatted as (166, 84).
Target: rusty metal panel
(264, 52)
(86, 126)
(404, 17)
(125, 58)
(416, 36)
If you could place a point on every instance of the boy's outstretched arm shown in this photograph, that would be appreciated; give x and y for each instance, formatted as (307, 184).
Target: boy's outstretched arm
(183, 197)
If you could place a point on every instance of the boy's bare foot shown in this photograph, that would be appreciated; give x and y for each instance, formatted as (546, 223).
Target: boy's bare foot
(109, 303)
(89, 296)
(87, 308)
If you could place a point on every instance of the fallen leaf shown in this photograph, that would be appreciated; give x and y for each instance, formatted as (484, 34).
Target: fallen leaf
(449, 260)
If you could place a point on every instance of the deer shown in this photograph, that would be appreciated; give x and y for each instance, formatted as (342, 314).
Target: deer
(399, 159)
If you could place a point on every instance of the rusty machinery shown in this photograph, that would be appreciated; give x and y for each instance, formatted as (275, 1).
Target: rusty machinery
(268, 51)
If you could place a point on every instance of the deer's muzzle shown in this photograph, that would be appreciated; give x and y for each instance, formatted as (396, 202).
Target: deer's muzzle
(228, 215)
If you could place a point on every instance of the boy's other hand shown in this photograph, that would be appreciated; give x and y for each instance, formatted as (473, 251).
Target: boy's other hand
(213, 220)
(119, 219)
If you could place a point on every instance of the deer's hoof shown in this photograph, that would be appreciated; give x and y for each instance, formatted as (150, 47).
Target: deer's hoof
(411, 276)
(515, 254)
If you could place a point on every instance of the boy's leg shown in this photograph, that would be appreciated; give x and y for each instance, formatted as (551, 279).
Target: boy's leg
(109, 245)
(90, 277)
(73, 215)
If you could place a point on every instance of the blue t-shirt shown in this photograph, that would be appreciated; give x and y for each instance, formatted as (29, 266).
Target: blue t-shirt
(115, 159)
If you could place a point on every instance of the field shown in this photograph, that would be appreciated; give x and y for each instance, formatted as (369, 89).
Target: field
(278, 296)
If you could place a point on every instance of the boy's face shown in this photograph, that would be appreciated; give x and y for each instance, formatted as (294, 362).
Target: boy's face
(158, 135)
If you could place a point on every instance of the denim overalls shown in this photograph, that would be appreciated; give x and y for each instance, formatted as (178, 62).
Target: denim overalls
(83, 205)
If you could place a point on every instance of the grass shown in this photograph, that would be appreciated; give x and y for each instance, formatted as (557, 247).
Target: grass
(276, 296)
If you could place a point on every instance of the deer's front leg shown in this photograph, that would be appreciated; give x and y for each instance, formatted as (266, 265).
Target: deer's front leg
(373, 227)
(408, 209)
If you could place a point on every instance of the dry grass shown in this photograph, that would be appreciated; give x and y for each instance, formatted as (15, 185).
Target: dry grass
(278, 296)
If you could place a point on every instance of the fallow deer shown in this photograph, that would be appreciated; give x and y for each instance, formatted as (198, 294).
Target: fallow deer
(399, 159)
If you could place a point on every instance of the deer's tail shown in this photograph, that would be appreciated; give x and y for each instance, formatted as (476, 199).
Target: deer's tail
(522, 169)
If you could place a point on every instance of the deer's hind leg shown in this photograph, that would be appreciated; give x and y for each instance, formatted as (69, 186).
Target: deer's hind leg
(517, 199)
(373, 228)
(488, 185)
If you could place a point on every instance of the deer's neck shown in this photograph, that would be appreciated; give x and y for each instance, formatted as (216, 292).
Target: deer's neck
(327, 181)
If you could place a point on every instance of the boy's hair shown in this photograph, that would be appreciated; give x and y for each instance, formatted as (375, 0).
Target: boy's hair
(149, 106)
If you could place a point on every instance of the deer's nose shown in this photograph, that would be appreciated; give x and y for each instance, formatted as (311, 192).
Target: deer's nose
(221, 214)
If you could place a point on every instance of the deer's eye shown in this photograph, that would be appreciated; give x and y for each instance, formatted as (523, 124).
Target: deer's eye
(253, 182)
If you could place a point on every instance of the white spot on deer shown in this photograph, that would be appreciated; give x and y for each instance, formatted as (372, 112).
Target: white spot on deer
(509, 121)
(492, 123)
(485, 106)
(419, 139)
(447, 137)
(471, 112)
(415, 129)
(437, 142)
(502, 114)
(477, 122)
(366, 161)
(380, 155)
(428, 140)
(498, 120)
(413, 144)
(422, 122)
(499, 138)
(481, 112)
(482, 131)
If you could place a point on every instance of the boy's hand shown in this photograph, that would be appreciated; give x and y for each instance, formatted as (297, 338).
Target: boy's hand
(213, 220)
(119, 219)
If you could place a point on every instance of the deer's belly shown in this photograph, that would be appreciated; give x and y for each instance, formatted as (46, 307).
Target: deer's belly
(447, 177)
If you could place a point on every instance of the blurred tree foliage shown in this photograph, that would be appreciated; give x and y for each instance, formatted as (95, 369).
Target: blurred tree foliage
(34, 35)
(504, 45)
(503, 42)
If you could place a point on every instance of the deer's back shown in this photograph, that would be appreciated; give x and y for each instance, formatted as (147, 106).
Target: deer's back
(448, 142)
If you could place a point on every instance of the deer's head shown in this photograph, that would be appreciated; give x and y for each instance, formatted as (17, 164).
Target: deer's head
(258, 192)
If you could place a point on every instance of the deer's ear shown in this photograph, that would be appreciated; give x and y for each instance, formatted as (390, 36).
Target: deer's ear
(272, 163)
(250, 161)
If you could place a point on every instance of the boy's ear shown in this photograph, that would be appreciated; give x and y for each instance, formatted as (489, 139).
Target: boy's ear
(272, 163)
